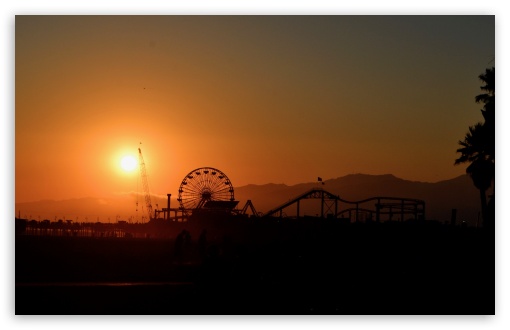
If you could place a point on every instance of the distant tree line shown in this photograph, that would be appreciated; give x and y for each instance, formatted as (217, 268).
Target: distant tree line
(478, 147)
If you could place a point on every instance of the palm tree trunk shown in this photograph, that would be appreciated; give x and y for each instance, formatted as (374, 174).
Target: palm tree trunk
(483, 200)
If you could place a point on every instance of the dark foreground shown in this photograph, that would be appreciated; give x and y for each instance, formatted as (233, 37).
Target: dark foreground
(293, 268)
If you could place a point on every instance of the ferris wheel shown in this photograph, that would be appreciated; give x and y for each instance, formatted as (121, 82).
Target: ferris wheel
(202, 185)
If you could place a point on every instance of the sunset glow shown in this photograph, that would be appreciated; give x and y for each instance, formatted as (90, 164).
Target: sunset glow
(266, 99)
(128, 163)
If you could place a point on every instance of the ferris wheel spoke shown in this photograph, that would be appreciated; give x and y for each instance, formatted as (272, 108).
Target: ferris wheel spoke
(226, 189)
(206, 183)
(202, 184)
(196, 190)
(189, 196)
(192, 196)
(222, 190)
(191, 203)
(217, 185)
(210, 183)
(192, 183)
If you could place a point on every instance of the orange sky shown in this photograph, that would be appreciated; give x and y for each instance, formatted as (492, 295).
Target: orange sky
(279, 99)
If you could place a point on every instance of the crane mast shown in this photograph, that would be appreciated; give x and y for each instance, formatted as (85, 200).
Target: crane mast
(145, 184)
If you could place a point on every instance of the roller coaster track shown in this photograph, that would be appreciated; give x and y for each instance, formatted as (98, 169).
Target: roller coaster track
(388, 206)
(252, 208)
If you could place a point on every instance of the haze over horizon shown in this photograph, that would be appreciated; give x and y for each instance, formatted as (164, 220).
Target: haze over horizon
(173, 190)
(266, 99)
(440, 198)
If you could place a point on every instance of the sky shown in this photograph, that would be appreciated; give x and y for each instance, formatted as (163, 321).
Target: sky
(265, 99)
(53, 149)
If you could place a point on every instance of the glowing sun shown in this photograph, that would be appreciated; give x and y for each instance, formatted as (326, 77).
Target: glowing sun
(128, 163)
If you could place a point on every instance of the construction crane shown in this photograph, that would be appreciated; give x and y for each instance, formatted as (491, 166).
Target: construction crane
(145, 184)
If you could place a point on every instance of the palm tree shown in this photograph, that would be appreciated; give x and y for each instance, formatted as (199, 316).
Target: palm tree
(478, 146)
(488, 99)
(481, 168)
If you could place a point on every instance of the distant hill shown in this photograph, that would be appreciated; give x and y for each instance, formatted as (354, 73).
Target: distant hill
(440, 198)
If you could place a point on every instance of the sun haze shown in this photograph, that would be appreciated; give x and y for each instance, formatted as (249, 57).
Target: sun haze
(278, 99)
(128, 163)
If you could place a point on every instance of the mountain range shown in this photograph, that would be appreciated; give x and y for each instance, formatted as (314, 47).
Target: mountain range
(440, 198)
